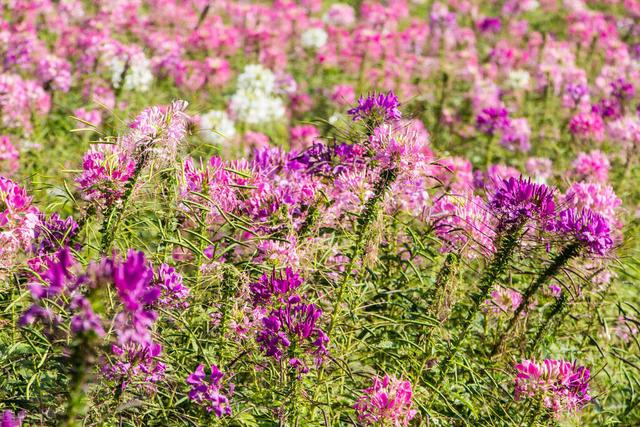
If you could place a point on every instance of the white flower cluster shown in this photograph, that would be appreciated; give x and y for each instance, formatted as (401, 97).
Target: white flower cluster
(314, 38)
(519, 79)
(138, 76)
(216, 127)
(254, 101)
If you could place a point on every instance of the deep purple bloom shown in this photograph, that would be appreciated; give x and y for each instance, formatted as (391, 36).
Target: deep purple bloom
(493, 119)
(608, 108)
(377, 107)
(9, 419)
(490, 25)
(133, 280)
(296, 321)
(274, 285)
(518, 199)
(622, 89)
(53, 233)
(208, 392)
(587, 227)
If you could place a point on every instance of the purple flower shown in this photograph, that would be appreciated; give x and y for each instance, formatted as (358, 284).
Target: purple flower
(386, 402)
(576, 91)
(85, 320)
(208, 392)
(519, 199)
(295, 322)
(586, 227)
(275, 285)
(490, 25)
(51, 234)
(607, 108)
(9, 419)
(136, 363)
(133, 280)
(622, 89)
(174, 293)
(493, 119)
(377, 108)
(56, 275)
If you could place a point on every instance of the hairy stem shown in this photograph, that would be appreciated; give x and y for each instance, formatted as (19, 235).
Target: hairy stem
(550, 272)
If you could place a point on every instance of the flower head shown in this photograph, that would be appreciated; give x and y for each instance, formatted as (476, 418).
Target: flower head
(386, 402)
(208, 392)
(560, 386)
(586, 227)
(377, 108)
(518, 199)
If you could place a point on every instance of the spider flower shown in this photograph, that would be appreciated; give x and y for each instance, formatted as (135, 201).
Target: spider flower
(517, 199)
(561, 386)
(386, 402)
(586, 227)
(377, 107)
(209, 391)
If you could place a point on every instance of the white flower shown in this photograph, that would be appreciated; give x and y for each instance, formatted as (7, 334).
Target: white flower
(518, 79)
(138, 75)
(314, 38)
(256, 107)
(335, 118)
(256, 78)
(216, 127)
(254, 101)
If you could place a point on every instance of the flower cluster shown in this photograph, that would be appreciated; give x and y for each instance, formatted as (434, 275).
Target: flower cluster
(517, 199)
(559, 385)
(386, 402)
(210, 392)
(586, 227)
(377, 108)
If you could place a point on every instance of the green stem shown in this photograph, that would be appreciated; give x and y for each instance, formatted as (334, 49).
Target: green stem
(109, 227)
(507, 245)
(558, 308)
(560, 260)
(81, 361)
(371, 207)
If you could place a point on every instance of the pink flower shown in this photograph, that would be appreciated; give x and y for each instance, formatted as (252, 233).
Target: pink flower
(592, 166)
(587, 126)
(386, 402)
(560, 386)
(8, 156)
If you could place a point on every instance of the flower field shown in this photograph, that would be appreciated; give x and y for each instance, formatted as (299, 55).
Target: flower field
(303, 213)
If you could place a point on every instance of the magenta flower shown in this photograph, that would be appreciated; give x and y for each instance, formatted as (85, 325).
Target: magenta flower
(587, 125)
(519, 199)
(585, 227)
(493, 119)
(378, 108)
(386, 402)
(9, 419)
(173, 292)
(133, 280)
(208, 392)
(274, 285)
(560, 386)
(592, 166)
